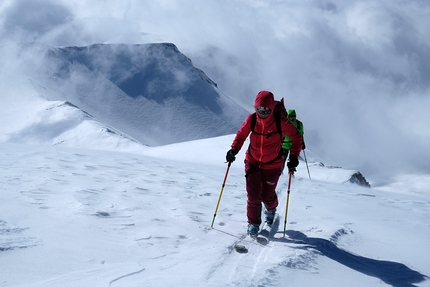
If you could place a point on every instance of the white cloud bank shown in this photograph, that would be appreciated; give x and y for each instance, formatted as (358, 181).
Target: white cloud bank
(357, 72)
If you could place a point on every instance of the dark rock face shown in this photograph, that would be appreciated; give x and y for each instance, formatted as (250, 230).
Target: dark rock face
(358, 178)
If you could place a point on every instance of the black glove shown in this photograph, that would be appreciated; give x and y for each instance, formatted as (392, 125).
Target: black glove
(303, 145)
(231, 155)
(292, 163)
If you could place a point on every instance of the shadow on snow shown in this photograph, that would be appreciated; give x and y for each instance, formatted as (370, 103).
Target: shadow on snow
(393, 273)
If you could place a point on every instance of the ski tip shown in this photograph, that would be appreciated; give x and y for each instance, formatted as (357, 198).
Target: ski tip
(262, 240)
(240, 248)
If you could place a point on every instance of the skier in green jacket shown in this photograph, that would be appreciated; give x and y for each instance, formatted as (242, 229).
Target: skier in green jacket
(286, 143)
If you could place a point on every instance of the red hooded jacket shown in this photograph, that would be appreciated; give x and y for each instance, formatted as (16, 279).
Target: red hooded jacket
(264, 150)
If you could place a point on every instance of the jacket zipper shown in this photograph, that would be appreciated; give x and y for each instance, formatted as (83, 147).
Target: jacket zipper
(261, 142)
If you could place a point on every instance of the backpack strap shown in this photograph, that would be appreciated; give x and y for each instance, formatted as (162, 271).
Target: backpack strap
(253, 121)
(277, 121)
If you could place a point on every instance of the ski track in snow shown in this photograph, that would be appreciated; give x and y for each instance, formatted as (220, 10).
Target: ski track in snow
(118, 219)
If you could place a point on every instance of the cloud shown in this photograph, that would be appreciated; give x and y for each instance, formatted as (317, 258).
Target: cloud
(32, 19)
(348, 67)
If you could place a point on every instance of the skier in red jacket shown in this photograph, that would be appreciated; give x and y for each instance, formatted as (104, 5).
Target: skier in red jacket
(264, 158)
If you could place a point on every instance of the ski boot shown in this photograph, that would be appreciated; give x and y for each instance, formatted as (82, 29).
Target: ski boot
(270, 216)
(253, 229)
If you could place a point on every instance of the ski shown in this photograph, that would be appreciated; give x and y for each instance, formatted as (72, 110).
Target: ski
(262, 238)
(242, 246)
(268, 231)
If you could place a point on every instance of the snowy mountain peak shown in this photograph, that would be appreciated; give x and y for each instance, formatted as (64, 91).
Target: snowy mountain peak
(151, 93)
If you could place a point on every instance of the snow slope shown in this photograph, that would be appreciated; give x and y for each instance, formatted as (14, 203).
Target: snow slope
(80, 217)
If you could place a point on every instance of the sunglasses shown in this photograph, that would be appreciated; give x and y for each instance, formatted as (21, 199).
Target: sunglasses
(263, 110)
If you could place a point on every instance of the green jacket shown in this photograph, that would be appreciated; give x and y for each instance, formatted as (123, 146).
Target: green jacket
(287, 143)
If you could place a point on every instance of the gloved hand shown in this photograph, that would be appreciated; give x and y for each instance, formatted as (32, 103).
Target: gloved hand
(303, 145)
(292, 163)
(231, 155)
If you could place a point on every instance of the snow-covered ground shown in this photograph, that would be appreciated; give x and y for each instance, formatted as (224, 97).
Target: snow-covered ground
(85, 201)
(80, 217)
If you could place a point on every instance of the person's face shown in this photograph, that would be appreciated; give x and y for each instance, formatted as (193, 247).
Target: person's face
(262, 112)
(292, 118)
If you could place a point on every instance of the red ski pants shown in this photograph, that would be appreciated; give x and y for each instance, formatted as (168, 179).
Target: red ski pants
(260, 187)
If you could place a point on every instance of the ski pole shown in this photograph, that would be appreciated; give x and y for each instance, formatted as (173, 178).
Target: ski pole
(220, 194)
(307, 165)
(288, 199)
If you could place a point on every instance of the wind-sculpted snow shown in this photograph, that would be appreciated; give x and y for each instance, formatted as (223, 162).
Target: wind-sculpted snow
(12, 237)
(74, 217)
